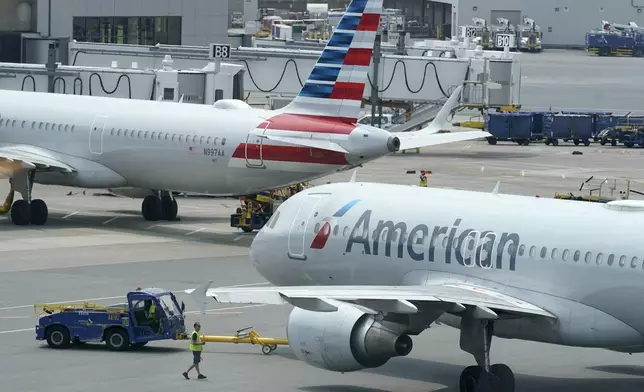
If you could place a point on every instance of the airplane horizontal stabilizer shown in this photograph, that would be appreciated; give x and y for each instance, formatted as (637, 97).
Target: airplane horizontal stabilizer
(417, 139)
(312, 143)
(33, 158)
(396, 299)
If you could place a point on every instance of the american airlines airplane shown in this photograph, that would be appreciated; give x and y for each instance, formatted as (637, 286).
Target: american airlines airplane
(367, 265)
(226, 149)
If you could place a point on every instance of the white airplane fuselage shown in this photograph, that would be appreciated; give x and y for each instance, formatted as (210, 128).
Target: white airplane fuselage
(582, 262)
(114, 142)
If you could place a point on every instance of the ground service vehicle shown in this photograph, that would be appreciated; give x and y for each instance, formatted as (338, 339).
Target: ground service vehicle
(119, 326)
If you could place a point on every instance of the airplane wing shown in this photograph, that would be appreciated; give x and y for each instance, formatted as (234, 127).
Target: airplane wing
(313, 143)
(17, 158)
(396, 299)
(417, 139)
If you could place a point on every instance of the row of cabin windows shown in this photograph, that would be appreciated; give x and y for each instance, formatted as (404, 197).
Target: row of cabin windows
(6, 122)
(554, 253)
(147, 135)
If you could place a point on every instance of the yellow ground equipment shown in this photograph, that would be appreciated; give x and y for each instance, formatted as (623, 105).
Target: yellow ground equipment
(258, 208)
(6, 207)
(248, 336)
(604, 190)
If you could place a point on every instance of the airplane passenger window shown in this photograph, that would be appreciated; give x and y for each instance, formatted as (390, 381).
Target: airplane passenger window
(216, 140)
(24, 123)
(577, 255)
(521, 250)
(316, 228)
(404, 237)
(140, 134)
(1, 122)
(555, 253)
(153, 135)
(60, 127)
(544, 252)
(167, 136)
(73, 127)
(40, 126)
(445, 242)
(565, 254)
(66, 127)
(53, 126)
(181, 137)
(634, 262)
(194, 139)
(160, 135)
(209, 139)
(345, 232)
(384, 236)
(588, 257)
(174, 136)
(622, 261)
(201, 140)
(600, 258)
(611, 258)
(47, 127)
(223, 141)
(145, 135)
(13, 123)
(336, 229)
(533, 251)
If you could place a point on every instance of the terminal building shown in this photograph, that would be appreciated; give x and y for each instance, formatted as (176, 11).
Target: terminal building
(200, 22)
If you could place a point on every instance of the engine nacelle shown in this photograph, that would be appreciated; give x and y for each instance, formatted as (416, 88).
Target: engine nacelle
(346, 340)
(134, 193)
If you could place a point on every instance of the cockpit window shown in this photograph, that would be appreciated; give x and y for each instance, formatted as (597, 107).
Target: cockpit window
(271, 223)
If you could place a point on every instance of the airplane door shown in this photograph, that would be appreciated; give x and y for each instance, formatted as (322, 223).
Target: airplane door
(96, 135)
(300, 226)
(255, 146)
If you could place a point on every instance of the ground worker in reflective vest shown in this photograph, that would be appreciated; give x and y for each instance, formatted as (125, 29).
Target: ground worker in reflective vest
(423, 178)
(196, 346)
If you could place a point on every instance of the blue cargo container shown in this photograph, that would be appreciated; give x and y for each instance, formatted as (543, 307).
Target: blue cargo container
(512, 126)
(578, 128)
(601, 120)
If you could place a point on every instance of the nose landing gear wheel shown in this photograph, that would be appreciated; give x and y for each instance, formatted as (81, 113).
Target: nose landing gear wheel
(267, 349)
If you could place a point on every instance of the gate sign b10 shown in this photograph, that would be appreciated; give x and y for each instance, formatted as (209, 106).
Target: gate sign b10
(503, 40)
(219, 51)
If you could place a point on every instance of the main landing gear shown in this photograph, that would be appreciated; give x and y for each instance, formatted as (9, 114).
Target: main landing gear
(26, 211)
(162, 206)
(476, 338)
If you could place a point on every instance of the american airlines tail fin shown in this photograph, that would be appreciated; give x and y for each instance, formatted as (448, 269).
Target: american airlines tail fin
(336, 84)
(429, 135)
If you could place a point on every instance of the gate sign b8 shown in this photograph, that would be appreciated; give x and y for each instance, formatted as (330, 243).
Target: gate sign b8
(219, 51)
(503, 40)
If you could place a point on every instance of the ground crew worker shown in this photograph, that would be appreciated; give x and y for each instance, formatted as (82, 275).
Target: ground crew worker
(151, 316)
(196, 346)
(423, 178)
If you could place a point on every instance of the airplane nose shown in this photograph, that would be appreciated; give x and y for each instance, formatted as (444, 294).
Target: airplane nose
(393, 144)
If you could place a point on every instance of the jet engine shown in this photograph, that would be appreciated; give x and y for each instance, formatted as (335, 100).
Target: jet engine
(346, 340)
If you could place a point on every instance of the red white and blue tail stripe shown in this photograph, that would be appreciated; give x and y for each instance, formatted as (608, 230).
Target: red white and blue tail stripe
(337, 82)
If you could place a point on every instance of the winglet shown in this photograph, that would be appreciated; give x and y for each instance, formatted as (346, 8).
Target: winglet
(441, 118)
(495, 191)
(199, 295)
(353, 176)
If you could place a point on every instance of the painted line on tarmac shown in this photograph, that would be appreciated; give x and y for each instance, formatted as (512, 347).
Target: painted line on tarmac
(120, 296)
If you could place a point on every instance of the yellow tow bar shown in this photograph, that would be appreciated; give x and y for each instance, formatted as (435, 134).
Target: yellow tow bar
(251, 337)
(6, 207)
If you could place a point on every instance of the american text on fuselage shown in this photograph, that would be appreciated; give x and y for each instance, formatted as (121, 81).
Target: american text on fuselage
(472, 248)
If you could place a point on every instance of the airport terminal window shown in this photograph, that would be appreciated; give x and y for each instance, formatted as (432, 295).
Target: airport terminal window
(132, 30)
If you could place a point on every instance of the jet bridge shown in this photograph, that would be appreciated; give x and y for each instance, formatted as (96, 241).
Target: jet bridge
(278, 71)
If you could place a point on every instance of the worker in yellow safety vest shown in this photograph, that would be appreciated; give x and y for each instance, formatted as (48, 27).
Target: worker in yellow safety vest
(423, 178)
(196, 346)
(151, 316)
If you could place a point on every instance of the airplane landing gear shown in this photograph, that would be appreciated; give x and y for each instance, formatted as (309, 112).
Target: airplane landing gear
(164, 207)
(476, 338)
(26, 211)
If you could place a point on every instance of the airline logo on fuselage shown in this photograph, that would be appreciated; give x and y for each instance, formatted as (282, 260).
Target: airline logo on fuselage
(465, 246)
(321, 238)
